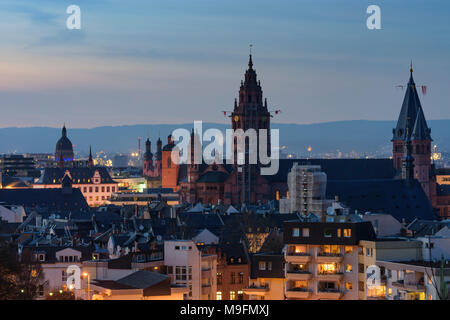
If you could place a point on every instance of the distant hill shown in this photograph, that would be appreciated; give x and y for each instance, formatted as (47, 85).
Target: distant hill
(361, 136)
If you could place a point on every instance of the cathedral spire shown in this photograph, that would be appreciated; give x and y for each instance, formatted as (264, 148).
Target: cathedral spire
(91, 160)
(250, 62)
(421, 130)
(410, 108)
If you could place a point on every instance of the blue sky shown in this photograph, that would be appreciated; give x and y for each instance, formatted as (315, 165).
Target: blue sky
(174, 61)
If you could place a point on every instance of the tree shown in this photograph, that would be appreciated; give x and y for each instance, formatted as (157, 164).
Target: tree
(20, 276)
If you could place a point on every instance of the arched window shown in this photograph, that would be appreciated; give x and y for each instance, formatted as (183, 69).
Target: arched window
(169, 163)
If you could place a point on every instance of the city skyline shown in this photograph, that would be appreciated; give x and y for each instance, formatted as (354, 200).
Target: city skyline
(175, 62)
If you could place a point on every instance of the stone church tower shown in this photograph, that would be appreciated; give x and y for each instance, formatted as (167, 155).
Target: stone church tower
(249, 113)
(412, 128)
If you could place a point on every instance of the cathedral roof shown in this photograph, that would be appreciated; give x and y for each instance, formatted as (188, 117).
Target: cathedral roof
(340, 169)
(391, 196)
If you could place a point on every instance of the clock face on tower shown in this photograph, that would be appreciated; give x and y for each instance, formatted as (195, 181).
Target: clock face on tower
(236, 118)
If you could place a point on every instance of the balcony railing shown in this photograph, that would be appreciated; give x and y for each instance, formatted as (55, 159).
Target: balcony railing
(329, 290)
(299, 254)
(259, 286)
(299, 289)
(299, 271)
(329, 254)
(329, 273)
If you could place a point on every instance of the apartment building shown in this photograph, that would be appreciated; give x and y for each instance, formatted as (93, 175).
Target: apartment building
(188, 266)
(322, 259)
(233, 270)
(416, 280)
(266, 277)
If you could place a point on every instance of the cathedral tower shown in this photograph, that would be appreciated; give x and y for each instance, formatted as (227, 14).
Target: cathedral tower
(250, 112)
(412, 128)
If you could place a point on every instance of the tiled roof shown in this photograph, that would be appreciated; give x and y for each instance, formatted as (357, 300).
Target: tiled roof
(52, 199)
(55, 175)
(340, 169)
(389, 196)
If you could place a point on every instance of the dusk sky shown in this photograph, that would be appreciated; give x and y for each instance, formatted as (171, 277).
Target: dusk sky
(176, 61)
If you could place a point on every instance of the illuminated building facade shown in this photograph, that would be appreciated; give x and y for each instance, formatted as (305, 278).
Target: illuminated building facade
(322, 259)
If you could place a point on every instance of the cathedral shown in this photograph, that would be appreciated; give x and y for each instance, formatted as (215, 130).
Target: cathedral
(407, 177)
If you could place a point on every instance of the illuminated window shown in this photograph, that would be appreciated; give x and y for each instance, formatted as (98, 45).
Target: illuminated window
(295, 232)
(348, 286)
(219, 295)
(390, 291)
(287, 194)
(348, 249)
(262, 265)
(324, 268)
(219, 278)
(277, 196)
(347, 233)
(339, 233)
(232, 295)
(348, 268)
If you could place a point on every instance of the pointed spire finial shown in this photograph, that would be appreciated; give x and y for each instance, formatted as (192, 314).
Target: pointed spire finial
(250, 62)
(411, 67)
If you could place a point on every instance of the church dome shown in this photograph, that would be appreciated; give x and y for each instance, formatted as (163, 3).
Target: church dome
(64, 147)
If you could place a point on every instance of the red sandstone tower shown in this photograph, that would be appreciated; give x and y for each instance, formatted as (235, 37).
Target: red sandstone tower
(170, 165)
(250, 113)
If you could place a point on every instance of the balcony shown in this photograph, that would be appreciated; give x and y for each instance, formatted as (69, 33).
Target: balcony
(258, 290)
(298, 293)
(331, 294)
(298, 275)
(298, 257)
(323, 257)
(409, 286)
(330, 276)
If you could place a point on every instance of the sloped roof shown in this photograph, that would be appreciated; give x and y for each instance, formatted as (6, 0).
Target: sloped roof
(408, 113)
(82, 174)
(52, 199)
(142, 279)
(421, 130)
(340, 169)
(389, 196)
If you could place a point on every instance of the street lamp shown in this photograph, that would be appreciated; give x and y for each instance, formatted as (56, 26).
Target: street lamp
(85, 274)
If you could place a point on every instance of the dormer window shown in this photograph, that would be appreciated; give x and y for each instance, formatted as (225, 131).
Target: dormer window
(41, 257)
